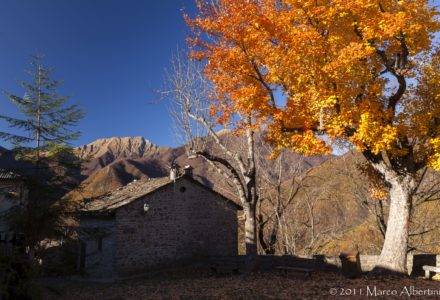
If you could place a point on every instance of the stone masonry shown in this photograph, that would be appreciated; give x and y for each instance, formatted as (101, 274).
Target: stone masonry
(172, 225)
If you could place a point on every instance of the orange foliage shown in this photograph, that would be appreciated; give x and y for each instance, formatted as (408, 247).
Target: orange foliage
(335, 63)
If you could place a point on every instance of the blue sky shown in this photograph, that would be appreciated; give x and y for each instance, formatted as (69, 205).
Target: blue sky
(111, 55)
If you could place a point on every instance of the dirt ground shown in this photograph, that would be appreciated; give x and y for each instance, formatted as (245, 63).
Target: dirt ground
(197, 284)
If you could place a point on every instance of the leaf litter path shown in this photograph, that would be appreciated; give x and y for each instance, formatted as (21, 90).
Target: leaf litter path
(194, 284)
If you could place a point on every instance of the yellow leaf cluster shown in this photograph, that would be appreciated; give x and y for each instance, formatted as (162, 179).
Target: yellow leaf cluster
(374, 135)
(378, 193)
(434, 159)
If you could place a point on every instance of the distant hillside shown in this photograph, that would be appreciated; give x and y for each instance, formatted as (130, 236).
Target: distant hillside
(103, 152)
(327, 202)
(335, 202)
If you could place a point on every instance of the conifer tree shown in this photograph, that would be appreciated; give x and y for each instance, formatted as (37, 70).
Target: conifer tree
(41, 138)
(47, 121)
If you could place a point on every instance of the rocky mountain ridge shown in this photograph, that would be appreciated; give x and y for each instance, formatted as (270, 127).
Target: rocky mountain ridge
(102, 152)
(128, 147)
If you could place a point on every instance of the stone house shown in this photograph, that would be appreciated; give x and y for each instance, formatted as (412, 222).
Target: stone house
(155, 223)
(13, 194)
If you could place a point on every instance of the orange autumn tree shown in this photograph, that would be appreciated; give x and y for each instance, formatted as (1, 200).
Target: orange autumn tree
(360, 71)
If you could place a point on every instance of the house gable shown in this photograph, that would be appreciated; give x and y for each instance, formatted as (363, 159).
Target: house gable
(179, 222)
(183, 220)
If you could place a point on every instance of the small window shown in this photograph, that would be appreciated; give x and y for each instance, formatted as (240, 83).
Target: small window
(182, 189)
(100, 244)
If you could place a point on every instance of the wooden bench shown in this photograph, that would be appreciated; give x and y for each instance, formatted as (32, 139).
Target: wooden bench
(286, 270)
(429, 269)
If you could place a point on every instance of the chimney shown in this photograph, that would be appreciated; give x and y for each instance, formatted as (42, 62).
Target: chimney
(173, 174)
(173, 171)
(187, 170)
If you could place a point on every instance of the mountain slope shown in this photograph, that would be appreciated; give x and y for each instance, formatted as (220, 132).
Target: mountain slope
(103, 152)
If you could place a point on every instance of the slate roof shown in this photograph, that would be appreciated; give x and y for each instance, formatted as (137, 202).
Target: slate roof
(124, 195)
(7, 175)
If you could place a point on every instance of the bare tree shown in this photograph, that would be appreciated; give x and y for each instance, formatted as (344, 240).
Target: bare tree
(240, 157)
(288, 219)
(275, 196)
(192, 97)
(311, 229)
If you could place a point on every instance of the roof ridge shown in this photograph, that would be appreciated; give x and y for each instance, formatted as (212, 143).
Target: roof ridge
(135, 190)
(126, 194)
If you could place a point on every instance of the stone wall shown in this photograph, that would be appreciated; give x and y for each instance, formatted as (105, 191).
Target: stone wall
(414, 262)
(333, 263)
(184, 221)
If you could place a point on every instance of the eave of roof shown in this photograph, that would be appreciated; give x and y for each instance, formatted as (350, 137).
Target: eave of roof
(8, 175)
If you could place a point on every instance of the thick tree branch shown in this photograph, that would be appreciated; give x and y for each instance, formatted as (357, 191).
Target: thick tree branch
(233, 176)
(264, 83)
(236, 157)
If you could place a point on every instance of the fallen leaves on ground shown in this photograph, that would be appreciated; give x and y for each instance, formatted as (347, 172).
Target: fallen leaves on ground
(199, 284)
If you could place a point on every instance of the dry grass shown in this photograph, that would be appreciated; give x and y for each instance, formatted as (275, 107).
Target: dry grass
(200, 284)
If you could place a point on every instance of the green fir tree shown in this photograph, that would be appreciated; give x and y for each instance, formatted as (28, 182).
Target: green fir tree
(41, 137)
(47, 121)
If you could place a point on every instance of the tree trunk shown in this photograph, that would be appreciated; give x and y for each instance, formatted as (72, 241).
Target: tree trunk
(250, 229)
(394, 251)
(261, 240)
(38, 128)
(269, 246)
